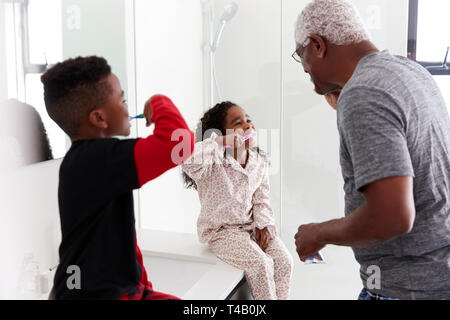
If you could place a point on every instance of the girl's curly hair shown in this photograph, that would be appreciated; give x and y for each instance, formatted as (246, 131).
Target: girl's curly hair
(213, 121)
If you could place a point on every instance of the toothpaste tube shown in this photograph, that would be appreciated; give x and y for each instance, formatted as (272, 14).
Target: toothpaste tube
(315, 259)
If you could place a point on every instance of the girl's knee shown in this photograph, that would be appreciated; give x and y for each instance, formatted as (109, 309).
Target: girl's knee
(261, 265)
(284, 262)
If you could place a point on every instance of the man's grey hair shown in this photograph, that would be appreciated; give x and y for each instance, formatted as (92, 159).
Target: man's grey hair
(338, 21)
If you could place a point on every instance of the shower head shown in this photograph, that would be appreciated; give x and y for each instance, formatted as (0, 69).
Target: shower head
(229, 11)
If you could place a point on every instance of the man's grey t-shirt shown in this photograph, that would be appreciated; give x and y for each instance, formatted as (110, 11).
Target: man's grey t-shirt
(393, 121)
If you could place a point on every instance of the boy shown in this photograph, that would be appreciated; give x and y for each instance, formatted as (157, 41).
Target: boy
(98, 175)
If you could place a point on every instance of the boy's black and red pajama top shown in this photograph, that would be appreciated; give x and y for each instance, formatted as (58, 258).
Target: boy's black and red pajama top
(96, 183)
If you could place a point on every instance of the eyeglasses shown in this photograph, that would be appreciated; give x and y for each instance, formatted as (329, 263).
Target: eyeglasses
(299, 57)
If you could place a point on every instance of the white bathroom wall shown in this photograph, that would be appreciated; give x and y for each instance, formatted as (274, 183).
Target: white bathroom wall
(169, 60)
(3, 78)
(96, 28)
(387, 22)
(444, 84)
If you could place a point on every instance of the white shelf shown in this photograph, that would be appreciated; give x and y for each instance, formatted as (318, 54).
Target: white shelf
(216, 284)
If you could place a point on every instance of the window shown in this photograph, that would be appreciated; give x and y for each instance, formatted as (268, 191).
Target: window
(34, 42)
(428, 34)
(429, 40)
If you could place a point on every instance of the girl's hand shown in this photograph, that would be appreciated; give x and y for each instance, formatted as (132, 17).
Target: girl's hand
(262, 238)
(233, 140)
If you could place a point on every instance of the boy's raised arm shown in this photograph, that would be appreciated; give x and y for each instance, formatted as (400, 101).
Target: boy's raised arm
(170, 144)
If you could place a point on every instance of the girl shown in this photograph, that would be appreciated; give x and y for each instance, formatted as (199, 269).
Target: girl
(236, 219)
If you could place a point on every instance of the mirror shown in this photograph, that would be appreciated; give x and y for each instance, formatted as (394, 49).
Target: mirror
(34, 35)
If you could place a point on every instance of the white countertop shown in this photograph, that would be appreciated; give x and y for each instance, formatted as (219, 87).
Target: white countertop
(216, 284)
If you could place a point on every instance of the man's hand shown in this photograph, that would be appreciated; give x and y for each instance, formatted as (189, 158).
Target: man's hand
(306, 241)
(262, 238)
(387, 213)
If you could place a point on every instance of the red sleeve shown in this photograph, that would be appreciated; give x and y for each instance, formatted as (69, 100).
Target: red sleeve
(170, 145)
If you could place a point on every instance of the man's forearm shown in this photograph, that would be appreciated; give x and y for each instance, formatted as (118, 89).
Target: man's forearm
(360, 229)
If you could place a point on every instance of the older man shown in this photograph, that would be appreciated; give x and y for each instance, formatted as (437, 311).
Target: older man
(395, 146)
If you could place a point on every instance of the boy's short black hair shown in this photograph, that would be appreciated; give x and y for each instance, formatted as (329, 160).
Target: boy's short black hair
(73, 88)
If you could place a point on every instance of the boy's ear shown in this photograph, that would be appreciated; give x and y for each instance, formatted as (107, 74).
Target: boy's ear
(98, 119)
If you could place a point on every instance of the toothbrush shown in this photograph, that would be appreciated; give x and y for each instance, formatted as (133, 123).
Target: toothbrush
(140, 116)
(249, 136)
(244, 138)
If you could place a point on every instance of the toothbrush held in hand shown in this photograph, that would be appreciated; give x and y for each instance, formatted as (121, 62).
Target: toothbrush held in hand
(244, 138)
(140, 116)
(248, 137)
